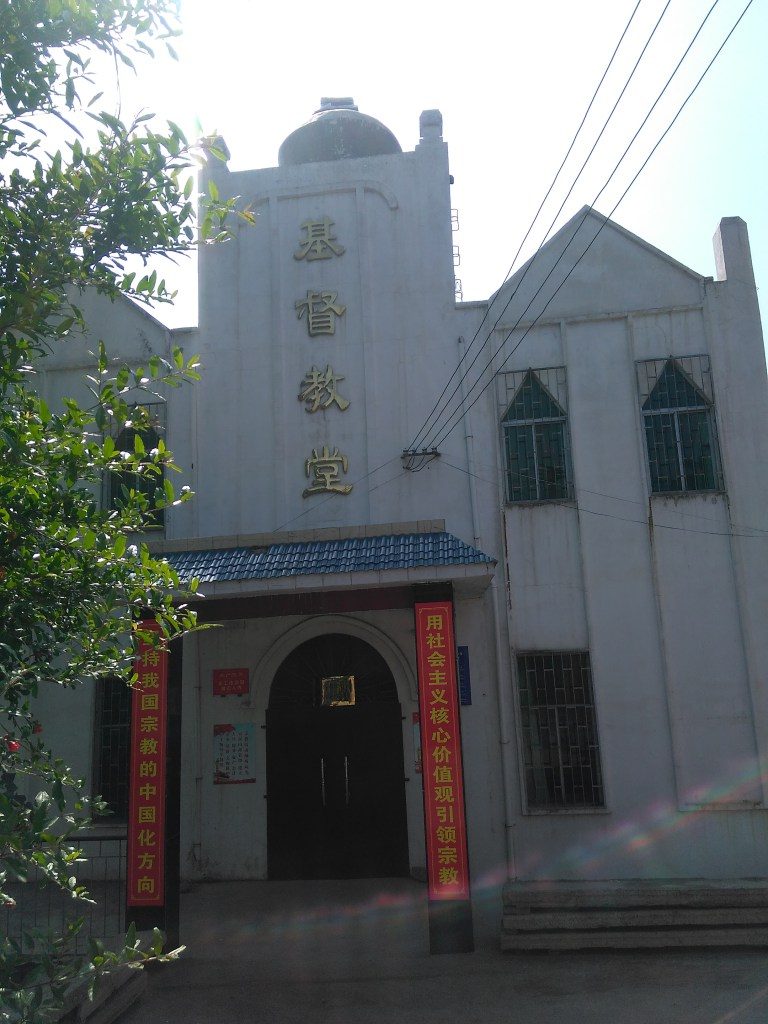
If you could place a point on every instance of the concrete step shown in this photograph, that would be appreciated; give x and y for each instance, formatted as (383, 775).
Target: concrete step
(634, 913)
(749, 892)
(658, 917)
(665, 938)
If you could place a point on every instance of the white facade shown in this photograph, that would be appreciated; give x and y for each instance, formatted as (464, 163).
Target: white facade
(667, 592)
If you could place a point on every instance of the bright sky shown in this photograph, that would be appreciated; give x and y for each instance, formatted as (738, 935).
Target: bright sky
(512, 88)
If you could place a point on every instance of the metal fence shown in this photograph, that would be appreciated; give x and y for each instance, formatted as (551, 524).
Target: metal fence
(43, 906)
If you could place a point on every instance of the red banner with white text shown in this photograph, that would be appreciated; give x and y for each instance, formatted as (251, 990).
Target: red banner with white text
(444, 819)
(146, 804)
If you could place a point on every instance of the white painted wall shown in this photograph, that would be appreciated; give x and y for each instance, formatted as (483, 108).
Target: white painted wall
(670, 606)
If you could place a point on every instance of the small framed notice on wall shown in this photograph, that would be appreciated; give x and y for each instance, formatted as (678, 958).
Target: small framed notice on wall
(229, 682)
(233, 754)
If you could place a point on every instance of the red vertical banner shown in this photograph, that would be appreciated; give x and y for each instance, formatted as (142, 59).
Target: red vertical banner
(444, 819)
(146, 801)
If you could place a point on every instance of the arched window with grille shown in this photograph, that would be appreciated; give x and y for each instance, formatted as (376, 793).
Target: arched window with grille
(680, 430)
(537, 454)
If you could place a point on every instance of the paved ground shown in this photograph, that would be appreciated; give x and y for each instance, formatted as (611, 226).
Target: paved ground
(349, 952)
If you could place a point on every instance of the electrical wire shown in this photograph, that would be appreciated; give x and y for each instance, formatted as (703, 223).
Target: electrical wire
(538, 212)
(573, 236)
(359, 480)
(643, 504)
(623, 519)
(605, 220)
(531, 263)
(459, 414)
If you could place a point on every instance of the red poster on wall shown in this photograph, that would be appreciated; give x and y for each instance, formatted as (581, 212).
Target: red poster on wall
(228, 682)
(146, 802)
(444, 820)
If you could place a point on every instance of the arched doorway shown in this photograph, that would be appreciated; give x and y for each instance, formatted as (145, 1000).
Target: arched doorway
(335, 778)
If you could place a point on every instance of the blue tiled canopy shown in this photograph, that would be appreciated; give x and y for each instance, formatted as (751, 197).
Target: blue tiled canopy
(353, 554)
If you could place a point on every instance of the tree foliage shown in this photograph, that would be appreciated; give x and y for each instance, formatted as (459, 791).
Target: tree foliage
(73, 576)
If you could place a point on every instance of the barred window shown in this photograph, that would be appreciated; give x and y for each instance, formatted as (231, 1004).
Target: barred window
(535, 432)
(680, 431)
(111, 746)
(118, 485)
(559, 731)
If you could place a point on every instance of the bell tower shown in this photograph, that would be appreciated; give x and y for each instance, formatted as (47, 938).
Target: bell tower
(326, 325)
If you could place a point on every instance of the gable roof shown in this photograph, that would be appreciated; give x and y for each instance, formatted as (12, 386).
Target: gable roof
(590, 224)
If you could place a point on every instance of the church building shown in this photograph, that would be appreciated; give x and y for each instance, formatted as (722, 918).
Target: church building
(514, 646)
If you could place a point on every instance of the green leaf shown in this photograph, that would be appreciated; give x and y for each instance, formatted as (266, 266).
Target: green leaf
(158, 941)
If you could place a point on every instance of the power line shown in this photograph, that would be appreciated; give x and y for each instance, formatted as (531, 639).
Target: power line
(459, 414)
(385, 482)
(643, 504)
(536, 216)
(359, 480)
(509, 333)
(573, 236)
(530, 264)
(623, 519)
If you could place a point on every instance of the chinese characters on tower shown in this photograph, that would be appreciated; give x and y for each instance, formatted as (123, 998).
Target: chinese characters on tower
(320, 310)
(318, 390)
(318, 242)
(146, 804)
(323, 469)
(445, 827)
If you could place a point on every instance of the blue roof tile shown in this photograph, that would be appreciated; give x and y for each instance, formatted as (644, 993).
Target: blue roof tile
(354, 554)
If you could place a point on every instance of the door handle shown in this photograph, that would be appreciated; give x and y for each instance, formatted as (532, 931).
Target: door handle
(346, 779)
(322, 779)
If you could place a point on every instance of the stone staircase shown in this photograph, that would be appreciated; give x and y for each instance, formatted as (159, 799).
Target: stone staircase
(634, 914)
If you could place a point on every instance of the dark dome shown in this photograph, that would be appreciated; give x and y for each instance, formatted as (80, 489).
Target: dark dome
(337, 131)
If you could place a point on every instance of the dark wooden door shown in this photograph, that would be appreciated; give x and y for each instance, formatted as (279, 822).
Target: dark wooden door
(335, 792)
(294, 808)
